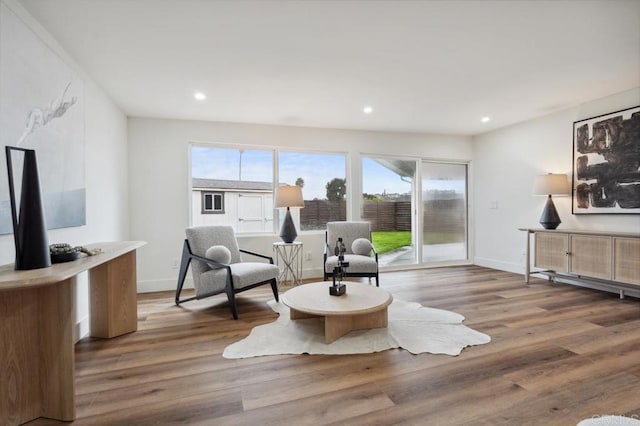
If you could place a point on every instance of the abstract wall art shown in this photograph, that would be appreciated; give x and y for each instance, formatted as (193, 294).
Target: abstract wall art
(41, 108)
(606, 163)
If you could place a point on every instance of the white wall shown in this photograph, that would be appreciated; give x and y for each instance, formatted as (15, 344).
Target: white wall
(106, 177)
(505, 163)
(159, 182)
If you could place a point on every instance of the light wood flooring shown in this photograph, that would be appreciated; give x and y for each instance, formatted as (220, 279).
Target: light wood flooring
(559, 354)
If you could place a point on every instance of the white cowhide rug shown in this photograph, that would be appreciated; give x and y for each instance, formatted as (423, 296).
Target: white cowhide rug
(610, 420)
(411, 326)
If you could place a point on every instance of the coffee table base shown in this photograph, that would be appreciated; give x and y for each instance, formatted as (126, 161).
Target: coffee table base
(336, 326)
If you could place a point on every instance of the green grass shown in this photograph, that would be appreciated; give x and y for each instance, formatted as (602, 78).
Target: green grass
(386, 241)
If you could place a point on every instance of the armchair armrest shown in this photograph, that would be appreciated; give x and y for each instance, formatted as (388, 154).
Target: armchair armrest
(257, 255)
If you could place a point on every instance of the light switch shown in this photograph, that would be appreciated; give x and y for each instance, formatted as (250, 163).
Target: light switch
(493, 205)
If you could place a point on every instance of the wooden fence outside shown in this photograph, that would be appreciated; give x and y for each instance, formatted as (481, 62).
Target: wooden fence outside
(317, 213)
(439, 215)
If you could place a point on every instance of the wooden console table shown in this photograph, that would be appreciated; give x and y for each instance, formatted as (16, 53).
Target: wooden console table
(37, 316)
(610, 259)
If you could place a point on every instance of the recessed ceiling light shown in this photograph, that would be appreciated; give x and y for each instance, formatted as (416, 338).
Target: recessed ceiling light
(485, 119)
(367, 110)
(200, 96)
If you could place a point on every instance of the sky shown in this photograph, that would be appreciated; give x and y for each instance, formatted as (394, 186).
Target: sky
(315, 169)
(257, 165)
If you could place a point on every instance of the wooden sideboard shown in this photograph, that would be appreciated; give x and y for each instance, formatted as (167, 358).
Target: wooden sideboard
(610, 259)
(37, 318)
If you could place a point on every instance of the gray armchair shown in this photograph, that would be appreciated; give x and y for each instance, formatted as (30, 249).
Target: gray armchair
(360, 265)
(223, 270)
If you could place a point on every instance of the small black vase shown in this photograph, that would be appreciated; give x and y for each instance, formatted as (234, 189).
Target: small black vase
(29, 229)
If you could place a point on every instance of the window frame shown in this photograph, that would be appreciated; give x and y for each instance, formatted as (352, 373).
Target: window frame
(275, 150)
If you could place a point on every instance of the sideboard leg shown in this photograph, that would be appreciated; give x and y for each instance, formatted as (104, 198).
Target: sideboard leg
(621, 294)
(527, 260)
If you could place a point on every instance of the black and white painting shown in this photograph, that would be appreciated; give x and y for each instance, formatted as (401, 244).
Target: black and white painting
(606, 163)
(41, 108)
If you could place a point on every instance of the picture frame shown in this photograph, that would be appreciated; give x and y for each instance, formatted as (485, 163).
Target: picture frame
(606, 163)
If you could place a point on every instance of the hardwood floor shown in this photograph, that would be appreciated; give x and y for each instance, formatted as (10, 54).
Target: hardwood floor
(558, 354)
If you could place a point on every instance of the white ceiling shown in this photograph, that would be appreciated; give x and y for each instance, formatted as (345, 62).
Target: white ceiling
(424, 66)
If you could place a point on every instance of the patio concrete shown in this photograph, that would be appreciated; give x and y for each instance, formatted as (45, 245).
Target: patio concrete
(431, 253)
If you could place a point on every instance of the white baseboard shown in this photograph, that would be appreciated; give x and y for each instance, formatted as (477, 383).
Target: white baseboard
(169, 284)
(499, 264)
(81, 329)
(150, 286)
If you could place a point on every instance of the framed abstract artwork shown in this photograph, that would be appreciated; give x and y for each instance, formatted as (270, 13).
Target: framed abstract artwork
(606, 163)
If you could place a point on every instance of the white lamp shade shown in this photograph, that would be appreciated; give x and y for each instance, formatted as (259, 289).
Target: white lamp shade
(289, 196)
(551, 184)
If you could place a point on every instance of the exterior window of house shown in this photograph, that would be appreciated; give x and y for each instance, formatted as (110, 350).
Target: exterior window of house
(212, 202)
(322, 177)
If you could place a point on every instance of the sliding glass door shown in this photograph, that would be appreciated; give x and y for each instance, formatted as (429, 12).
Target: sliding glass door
(388, 186)
(444, 212)
(400, 196)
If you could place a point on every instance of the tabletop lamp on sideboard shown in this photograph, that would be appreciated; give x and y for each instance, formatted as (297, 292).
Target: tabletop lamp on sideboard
(288, 196)
(550, 184)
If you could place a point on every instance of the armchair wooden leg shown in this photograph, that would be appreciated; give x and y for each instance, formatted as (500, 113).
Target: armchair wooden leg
(274, 288)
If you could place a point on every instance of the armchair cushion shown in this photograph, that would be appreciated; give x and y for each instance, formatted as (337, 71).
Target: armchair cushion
(220, 254)
(361, 246)
(357, 264)
(244, 274)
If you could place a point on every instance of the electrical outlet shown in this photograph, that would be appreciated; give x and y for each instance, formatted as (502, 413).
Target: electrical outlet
(307, 256)
(174, 263)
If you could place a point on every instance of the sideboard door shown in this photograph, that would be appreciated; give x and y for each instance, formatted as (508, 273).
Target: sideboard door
(626, 263)
(590, 256)
(551, 251)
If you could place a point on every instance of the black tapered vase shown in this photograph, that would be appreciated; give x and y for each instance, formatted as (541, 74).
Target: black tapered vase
(29, 228)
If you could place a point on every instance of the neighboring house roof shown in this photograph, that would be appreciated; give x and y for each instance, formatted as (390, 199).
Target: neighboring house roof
(232, 185)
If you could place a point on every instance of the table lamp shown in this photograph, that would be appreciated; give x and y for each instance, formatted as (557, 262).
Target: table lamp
(550, 184)
(288, 196)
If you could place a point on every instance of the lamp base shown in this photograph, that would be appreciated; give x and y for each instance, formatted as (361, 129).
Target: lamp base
(288, 232)
(550, 218)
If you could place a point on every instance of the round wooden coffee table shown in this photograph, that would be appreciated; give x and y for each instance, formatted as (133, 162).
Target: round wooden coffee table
(363, 307)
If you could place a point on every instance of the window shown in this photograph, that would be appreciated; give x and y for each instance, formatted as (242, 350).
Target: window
(240, 182)
(235, 186)
(322, 178)
(212, 202)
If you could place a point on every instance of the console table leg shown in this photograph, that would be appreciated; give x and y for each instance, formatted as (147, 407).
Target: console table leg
(113, 297)
(37, 353)
(57, 357)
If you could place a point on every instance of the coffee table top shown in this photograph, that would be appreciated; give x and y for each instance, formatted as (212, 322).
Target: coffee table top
(314, 298)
